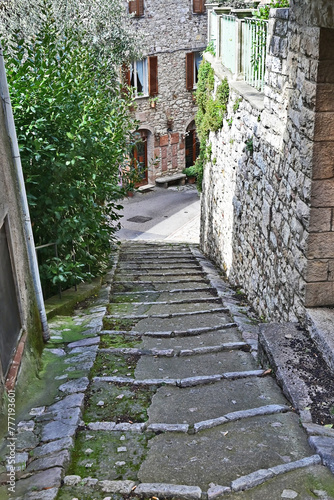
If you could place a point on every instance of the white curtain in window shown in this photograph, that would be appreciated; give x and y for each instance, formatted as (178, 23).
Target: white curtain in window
(140, 75)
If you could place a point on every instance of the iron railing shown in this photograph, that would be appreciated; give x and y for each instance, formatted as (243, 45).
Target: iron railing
(254, 35)
(240, 44)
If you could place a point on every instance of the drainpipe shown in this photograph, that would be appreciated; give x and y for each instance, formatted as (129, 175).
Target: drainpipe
(9, 119)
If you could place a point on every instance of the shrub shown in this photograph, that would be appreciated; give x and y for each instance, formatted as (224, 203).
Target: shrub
(73, 130)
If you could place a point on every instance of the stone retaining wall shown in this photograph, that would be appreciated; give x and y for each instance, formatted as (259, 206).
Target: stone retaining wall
(259, 220)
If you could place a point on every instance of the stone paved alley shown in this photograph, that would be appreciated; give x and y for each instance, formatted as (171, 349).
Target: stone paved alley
(161, 396)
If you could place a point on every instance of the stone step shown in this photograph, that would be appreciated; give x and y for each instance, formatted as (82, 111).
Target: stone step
(220, 455)
(193, 366)
(300, 369)
(195, 404)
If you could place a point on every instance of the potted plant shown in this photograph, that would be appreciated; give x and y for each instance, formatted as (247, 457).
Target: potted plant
(191, 173)
(153, 101)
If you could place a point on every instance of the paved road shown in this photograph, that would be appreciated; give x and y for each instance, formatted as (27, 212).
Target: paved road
(171, 214)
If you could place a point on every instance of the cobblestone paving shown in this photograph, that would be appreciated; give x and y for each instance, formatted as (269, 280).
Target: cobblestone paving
(161, 396)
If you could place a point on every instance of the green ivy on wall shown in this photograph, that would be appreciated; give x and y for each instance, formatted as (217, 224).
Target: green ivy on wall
(210, 114)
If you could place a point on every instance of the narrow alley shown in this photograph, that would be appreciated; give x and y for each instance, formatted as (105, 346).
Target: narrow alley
(173, 403)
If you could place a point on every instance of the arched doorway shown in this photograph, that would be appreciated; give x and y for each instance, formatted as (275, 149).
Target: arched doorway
(192, 145)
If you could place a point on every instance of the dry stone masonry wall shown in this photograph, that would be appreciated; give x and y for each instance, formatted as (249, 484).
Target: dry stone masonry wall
(268, 190)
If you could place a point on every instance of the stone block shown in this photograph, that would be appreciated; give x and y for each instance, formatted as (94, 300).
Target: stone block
(121, 487)
(281, 27)
(164, 140)
(325, 72)
(316, 270)
(323, 160)
(321, 246)
(319, 294)
(164, 151)
(175, 149)
(322, 194)
(324, 126)
(174, 138)
(320, 220)
(330, 275)
(325, 97)
(175, 162)
(309, 43)
(326, 49)
(157, 152)
(60, 459)
(169, 491)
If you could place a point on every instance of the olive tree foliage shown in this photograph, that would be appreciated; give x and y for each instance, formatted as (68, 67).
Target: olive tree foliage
(103, 24)
(73, 126)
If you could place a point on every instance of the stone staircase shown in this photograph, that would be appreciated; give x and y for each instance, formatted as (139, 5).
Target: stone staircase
(214, 422)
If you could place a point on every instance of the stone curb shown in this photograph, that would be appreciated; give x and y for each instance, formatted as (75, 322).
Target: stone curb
(238, 415)
(169, 491)
(176, 290)
(324, 446)
(260, 476)
(229, 346)
(186, 382)
(169, 353)
(214, 300)
(159, 282)
(168, 315)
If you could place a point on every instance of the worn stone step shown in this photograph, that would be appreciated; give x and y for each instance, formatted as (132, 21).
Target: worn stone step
(158, 265)
(196, 300)
(208, 338)
(183, 323)
(204, 364)
(188, 259)
(173, 312)
(194, 404)
(220, 456)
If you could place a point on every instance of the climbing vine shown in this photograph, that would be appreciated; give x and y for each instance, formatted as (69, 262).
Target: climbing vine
(210, 114)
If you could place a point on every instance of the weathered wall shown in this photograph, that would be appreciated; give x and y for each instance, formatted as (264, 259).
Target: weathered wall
(10, 214)
(256, 205)
(171, 29)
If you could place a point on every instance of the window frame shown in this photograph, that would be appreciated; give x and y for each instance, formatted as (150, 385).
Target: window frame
(134, 73)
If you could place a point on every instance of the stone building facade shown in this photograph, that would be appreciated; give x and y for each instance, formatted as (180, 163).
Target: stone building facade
(174, 35)
(268, 192)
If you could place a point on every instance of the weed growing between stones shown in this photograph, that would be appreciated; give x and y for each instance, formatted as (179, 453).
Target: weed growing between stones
(118, 324)
(108, 455)
(118, 341)
(118, 403)
(107, 364)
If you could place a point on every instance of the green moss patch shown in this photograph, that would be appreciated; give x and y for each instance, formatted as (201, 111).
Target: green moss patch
(127, 308)
(64, 327)
(120, 404)
(118, 341)
(97, 454)
(114, 364)
(118, 324)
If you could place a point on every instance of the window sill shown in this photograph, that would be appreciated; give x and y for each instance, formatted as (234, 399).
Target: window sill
(140, 97)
